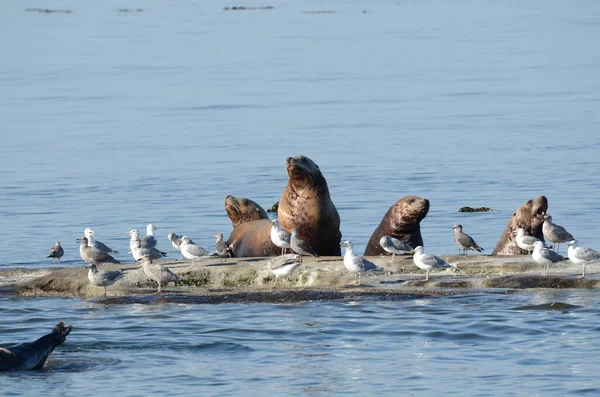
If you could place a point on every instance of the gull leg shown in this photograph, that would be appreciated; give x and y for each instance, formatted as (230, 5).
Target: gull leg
(275, 282)
(582, 274)
(158, 292)
(427, 277)
(393, 257)
(557, 247)
(545, 274)
(105, 292)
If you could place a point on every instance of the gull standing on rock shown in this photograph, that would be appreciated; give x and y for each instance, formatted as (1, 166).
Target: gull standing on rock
(280, 237)
(582, 256)
(103, 278)
(300, 246)
(284, 265)
(56, 252)
(93, 255)
(428, 261)
(173, 237)
(189, 250)
(138, 252)
(543, 256)
(556, 234)
(394, 246)
(356, 264)
(464, 241)
(158, 273)
(89, 234)
(222, 248)
(148, 241)
(525, 242)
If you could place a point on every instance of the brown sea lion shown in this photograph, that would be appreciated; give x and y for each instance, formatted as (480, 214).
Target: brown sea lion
(306, 205)
(241, 210)
(401, 221)
(253, 239)
(530, 217)
(33, 355)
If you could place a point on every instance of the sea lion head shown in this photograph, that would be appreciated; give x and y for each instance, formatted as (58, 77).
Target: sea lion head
(530, 216)
(241, 210)
(409, 211)
(305, 173)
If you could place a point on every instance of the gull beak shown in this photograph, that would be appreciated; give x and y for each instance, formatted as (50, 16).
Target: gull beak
(412, 251)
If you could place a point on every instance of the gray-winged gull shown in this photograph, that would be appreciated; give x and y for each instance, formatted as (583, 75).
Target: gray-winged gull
(524, 241)
(300, 246)
(56, 252)
(556, 234)
(158, 273)
(394, 246)
(93, 255)
(428, 261)
(543, 256)
(280, 237)
(138, 252)
(464, 241)
(89, 234)
(223, 249)
(189, 250)
(103, 278)
(355, 263)
(33, 355)
(582, 256)
(149, 241)
(284, 265)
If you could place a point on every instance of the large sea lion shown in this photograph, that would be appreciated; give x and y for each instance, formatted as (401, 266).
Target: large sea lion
(530, 217)
(306, 205)
(253, 239)
(241, 209)
(33, 355)
(401, 221)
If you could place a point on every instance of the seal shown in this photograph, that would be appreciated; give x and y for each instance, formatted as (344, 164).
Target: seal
(403, 222)
(241, 210)
(307, 206)
(529, 217)
(33, 355)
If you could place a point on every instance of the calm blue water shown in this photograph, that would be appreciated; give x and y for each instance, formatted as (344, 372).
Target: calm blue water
(114, 120)
(476, 346)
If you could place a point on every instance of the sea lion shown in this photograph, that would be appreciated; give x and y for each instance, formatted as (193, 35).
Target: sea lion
(530, 217)
(306, 205)
(240, 210)
(401, 221)
(33, 355)
(253, 239)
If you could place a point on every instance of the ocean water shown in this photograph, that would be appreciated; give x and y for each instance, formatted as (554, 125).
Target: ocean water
(476, 345)
(113, 120)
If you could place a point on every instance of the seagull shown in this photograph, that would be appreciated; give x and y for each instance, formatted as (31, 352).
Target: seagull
(103, 278)
(523, 241)
(33, 355)
(428, 261)
(148, 241)
(173, 237)
(556, 234)
(89, 234)
(356, 264)
(222, 247)
(189, 250)
(300, 246)
(394, 246)
(280, 237)
(93, 255)
(158, 273)
(138, 252)
(582, 256)
(464, 241)
(284, 265)
(56, 252)
(544, 256)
